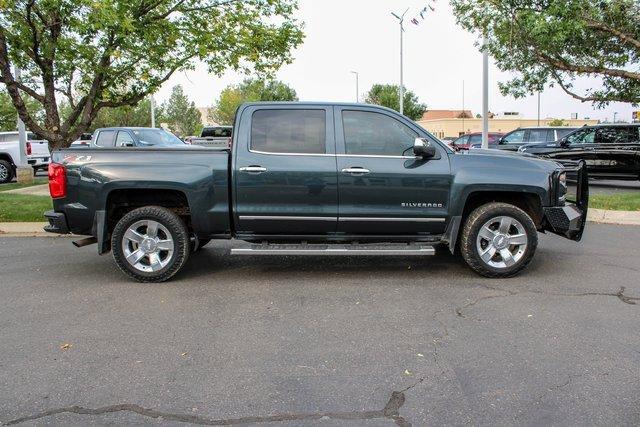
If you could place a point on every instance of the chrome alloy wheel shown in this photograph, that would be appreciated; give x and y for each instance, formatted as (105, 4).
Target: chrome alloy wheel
(147, 245)
(501, 242)
(4, 173)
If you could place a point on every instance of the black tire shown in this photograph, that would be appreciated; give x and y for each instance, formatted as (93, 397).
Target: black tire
(470, 244)
(179, 234)
(7, 172)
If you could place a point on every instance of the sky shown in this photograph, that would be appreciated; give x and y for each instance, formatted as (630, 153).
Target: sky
(362, 35)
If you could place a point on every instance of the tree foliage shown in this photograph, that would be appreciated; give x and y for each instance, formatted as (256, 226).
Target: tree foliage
(553, 42)
(9, 114)
(138, 116)
(250, 90)
(388, 96)
(180, 114)
(98, 54)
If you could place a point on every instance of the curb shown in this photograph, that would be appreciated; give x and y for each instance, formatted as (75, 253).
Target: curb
(34, 229)
(602, 216)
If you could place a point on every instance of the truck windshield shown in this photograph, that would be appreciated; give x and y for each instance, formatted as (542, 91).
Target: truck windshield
(157, 137)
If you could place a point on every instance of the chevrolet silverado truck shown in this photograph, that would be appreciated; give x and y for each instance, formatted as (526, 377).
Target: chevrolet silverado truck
(314, 179)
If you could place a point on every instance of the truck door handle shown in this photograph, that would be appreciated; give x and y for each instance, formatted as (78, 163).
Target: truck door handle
(356, 170)
(253, 169)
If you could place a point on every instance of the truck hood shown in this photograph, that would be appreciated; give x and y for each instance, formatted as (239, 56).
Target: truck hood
(511, 159)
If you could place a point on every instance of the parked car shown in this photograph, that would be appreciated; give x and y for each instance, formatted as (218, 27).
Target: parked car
(531, 135)
(37, 152)
(314, 179)
(610, 151)
(83, 141)
(214, 136)
(134, 137)
(474, 139)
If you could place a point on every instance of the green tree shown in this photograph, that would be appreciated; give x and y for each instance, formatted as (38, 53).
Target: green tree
(558, 122)
(9, 114)
(388, 96)
(553, 42)
(138, 115)
(250, 90)
(180, 114)
(114, 53)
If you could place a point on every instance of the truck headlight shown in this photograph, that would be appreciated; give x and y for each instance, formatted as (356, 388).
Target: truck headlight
(562, 187)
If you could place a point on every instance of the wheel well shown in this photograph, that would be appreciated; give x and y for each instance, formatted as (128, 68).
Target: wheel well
(120, 202)
(6, 157)
(528, 202)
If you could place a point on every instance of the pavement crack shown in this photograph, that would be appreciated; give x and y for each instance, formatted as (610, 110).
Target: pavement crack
(390, 411)
(460, 311)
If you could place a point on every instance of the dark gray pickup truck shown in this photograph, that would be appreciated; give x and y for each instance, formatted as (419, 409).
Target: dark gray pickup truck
(315, 179)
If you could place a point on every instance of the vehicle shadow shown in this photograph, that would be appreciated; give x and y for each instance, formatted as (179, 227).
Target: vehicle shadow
(217, 260)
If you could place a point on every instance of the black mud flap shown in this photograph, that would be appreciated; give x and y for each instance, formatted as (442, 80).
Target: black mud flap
(570, 220)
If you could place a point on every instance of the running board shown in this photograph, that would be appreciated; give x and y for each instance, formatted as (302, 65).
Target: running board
(335, 249)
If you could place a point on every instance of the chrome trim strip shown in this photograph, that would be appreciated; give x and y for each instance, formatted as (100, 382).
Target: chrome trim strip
(389, 219)
(291, 154)
(284, 217)
(423, 250)
(333, 155)
(373, 156)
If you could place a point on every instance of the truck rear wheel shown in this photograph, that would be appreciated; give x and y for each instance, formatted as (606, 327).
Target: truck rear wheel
(6, 172)
(150, 244)
(498, 240)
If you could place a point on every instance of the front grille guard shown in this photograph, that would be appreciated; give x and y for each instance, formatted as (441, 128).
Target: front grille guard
(576, 173)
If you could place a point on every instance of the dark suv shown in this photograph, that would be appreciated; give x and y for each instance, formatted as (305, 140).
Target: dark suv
(610, 151)
(531, 135)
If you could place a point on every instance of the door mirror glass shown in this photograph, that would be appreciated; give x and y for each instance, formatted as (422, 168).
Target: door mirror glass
(423, 148)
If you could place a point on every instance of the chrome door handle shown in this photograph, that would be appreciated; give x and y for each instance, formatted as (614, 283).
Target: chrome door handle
(355, 170)
(253, 169)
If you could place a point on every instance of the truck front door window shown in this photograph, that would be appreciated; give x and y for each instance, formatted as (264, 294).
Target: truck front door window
(367, 133)
(289, 131)
(515, 137)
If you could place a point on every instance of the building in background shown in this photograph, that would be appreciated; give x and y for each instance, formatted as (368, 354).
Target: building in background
(453, 123)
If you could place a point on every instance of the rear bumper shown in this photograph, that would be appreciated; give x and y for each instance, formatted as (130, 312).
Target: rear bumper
(569, 220)
(57, 223)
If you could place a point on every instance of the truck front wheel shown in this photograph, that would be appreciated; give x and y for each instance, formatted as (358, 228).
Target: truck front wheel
(498, 240)
(150, 244)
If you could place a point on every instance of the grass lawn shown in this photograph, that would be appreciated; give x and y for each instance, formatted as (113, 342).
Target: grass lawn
(23, 208)
(15, 185)
(615, 202)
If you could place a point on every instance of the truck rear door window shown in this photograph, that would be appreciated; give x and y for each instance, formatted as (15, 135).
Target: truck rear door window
(289, 131)
(216, 133)
(106, 138)
(375, 134)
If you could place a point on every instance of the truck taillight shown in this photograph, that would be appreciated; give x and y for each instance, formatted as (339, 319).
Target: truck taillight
(57, 181)
(28, 148)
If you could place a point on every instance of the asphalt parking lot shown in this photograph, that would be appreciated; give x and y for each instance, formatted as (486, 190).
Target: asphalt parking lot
(322, 341)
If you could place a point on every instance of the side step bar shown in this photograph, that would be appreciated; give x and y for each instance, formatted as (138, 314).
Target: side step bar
(335, 249)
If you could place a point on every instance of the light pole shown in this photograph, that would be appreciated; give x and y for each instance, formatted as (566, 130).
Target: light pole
(538, 108)
(485, 95)
(24, 171)
(153, 112)
(357, 84)
(401, 21)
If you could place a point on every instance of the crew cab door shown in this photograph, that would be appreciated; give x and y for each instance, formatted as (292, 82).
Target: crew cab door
(383, 189)
(616, 151)
(284, 170)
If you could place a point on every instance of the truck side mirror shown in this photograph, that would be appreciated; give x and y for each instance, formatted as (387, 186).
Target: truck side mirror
(423, 148)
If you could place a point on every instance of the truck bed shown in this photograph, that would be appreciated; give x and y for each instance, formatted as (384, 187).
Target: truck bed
(97, 176)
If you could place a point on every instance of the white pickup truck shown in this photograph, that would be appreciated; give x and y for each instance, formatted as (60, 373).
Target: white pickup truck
(38, 155)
